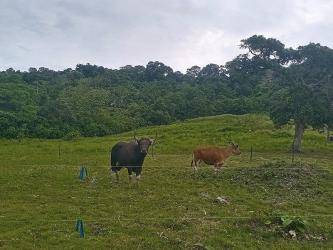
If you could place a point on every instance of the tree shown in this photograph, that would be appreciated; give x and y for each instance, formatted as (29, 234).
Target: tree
(211, 71)
(157, 71)
(244, 74)
(86, 109)
(307, 90)
(136, 73)
(266, 49)
(247, 72)
(89, 70)
(300, 85)
(18, 109)
(290, 84)
(193, 72)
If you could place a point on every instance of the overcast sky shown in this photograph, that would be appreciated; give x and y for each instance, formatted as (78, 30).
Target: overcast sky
(180, 33)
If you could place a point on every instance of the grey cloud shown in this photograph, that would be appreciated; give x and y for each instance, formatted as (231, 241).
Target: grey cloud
(61, 33)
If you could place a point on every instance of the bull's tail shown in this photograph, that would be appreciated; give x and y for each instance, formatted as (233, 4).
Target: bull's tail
(113, 157)
(113, 161)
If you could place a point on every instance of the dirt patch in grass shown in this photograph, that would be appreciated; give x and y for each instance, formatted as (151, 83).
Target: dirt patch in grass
(264, 231)
(299, 179)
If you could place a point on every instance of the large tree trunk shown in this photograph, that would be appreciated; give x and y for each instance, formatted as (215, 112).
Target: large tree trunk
(299, 131)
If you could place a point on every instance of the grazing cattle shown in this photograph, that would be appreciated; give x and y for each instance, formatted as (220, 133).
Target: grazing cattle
(213, 155)
(130, 155)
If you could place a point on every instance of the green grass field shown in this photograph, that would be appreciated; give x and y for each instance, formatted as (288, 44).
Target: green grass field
(172, 208)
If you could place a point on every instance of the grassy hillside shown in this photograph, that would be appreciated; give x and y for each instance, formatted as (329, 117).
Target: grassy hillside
(173, 207)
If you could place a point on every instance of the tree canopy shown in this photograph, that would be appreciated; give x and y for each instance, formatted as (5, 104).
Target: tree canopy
(302, 90)
(90, 100)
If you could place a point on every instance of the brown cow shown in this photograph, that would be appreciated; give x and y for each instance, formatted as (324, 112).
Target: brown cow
(213, 155)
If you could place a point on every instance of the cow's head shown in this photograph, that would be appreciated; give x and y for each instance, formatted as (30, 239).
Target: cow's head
(144, 144)
(235, 149)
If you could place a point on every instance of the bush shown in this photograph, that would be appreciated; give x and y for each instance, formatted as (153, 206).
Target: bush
(72, 135)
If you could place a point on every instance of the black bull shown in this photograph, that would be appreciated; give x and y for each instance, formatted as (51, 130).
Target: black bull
(130, 155)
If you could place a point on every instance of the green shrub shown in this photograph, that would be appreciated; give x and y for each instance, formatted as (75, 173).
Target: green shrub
(72, 135)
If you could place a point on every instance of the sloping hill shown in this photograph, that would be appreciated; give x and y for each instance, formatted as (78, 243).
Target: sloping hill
(173, 207)
(251, 130)
(248, 130)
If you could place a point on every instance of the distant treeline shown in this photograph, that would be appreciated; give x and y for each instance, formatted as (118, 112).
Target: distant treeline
(93, 100)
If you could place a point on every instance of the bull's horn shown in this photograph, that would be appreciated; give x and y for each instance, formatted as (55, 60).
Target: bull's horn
(136, 139)
(152, 141)
(155, 139)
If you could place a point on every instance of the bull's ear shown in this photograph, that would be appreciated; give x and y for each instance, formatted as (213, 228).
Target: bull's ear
(151, 141)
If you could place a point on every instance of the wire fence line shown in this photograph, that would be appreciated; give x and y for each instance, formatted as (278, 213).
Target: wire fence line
(94, 179)
(139, 220)
(93, 163)
(245, 154)
(188, 153)
(120, 219)
(69, 238)
(77, 202)
(162, 165)
(202, 165)
(90, 238)
(199, 217)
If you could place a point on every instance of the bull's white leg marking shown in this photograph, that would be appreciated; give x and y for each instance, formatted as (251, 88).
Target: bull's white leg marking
(138, 177)
(115, 176)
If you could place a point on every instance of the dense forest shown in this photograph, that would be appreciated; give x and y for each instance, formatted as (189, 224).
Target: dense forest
(289, 84)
